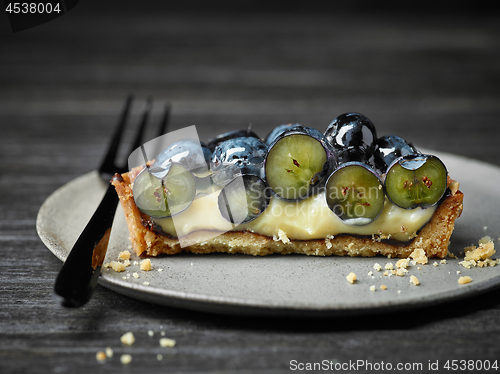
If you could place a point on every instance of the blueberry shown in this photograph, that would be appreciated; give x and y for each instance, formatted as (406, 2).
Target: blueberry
(277, 131)
(190, 153)
(212, 143)
(389, 148)
(167, 195)
(298, 162)
(353, 136)
(354, 192)
(243, 155)
(243, 199)
(416, 180)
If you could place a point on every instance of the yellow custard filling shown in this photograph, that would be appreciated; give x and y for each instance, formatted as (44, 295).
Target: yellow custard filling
(304, 220)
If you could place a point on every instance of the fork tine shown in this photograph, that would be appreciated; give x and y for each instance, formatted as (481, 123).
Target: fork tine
(107, 165)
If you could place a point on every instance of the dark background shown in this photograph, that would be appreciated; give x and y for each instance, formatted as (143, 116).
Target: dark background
(428, 71)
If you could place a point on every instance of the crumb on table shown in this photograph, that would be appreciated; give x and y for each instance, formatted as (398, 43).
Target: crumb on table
(126, 359)
(166, 342)
(128, 338)
(100, 356)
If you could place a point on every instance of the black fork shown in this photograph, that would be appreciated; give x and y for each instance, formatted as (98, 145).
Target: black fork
(78, 276)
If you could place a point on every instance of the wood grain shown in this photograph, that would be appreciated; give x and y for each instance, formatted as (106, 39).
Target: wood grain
(432, 79)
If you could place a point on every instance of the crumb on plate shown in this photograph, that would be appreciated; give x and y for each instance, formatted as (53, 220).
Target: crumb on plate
(419, 256)
(464, 280)
(146, 265)
(351, 278)
(414, 280)
(125, 255)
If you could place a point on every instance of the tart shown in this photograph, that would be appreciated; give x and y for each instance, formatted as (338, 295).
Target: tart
(342, 192)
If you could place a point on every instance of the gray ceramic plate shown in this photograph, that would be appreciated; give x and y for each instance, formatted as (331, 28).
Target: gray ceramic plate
(284, 285)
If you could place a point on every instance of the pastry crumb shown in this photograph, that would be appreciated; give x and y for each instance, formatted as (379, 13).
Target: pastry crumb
(464, 280)
(372, 288)
(401, 272)
(377, 267)
(146, 265)
(403, 263)
(109, 352)
(128, 338)
(419, 256)
(146, 283)
(125, 255)
(414, 280)
(443, 261)
(389, 266)
(125, 359)
(480, 256)
(135, 275)
(453, 185)
(283, 237)
(117, 266)
(159, 357)
(166, 342)
(383, 287)
(485, 250)
(351, 278)
(100, 356)
(327, 241)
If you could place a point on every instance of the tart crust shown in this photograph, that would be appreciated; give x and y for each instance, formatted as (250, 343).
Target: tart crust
(433, 238)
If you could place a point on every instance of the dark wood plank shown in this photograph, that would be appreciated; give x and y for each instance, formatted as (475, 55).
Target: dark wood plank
(430, 78)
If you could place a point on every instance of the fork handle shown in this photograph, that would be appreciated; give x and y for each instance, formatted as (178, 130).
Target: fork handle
(78, 276)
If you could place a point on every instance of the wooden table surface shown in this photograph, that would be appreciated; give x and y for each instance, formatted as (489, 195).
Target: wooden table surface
(431, 77)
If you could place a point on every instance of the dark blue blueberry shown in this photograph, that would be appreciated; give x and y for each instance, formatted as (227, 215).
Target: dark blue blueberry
(277, 131)
(353, 136)
(243, 155)
(388, 148)
(212, 143)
